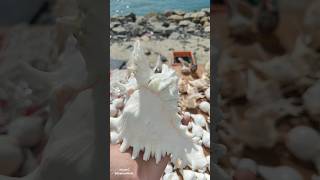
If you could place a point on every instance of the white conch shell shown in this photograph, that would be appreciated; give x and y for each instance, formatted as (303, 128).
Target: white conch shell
(304, 143)
(153, 108)
(205, 107)
(311, 99)
(11, 156)
(279, 173)
(199, 120)
(188, 175)
(27, 130)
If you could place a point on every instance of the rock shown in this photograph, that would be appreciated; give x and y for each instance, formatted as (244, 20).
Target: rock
(147, 52)
(191, 30)
(174, 36)
(205, 19)
(206, 24)
(180, 13)
(27, 130)
(141, 20)
(11, 156)
(188, 16)
(114, 24)
(198, 15)
(119, 30)
(131, 17)
(185, 23)
(175, 17)
(166, 24)
(168, 13)
(145, 38)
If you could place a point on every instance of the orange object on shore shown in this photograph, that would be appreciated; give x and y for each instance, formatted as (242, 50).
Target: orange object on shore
(185, 55)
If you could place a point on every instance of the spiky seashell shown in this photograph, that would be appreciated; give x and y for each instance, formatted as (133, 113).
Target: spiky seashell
(168, 169)
(154, 107)
(113, 110)
(199, 119)
(311, 99)
(206, 139)
(279, 173)
(200, 84)
(205, 107)
(207, 93)
(27, 130)
(188, 175)
(304, 143)
(171, 176)
(11, 156)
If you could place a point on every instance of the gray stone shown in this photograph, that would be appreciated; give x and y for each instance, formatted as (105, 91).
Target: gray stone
(207, 29)
(174, 35)
(185, 23)
(175, 17)
(198, 15)
(119, 30)
(115, 24)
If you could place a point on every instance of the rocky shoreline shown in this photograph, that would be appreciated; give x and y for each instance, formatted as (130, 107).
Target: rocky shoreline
(171, 24)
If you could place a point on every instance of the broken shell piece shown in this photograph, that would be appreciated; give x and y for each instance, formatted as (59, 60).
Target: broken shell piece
(279, 173)
(188, 175)
(304, 143)
(27, 130)
(11, 156)
(205, 107)
(207, 93)
(199, 120)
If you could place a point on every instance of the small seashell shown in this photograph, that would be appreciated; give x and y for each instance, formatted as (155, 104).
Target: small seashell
(113, 110)
(186, 118)
(199, 120)
(27, 130)
(206, 139)
(188, 175)
(205, 107)
(11, 156)
(279, 173)
(197, 131)
(168, 169)
(118, 103)
(304, 143)
(207, 93)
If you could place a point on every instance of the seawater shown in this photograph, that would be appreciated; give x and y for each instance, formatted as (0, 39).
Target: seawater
(142, 7)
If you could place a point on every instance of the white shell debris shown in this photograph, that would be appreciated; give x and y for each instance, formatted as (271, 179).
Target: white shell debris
(279, 173)
(168, 169)
(206, 139)
(171, 176)
(188, 175)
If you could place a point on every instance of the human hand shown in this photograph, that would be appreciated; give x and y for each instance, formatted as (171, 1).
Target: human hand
(123, 167)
